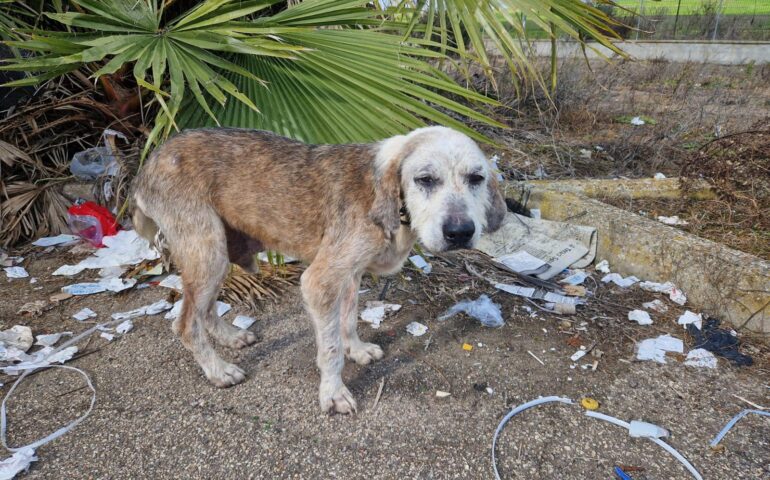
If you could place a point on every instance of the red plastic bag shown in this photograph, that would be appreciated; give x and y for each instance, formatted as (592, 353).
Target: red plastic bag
(92, 222)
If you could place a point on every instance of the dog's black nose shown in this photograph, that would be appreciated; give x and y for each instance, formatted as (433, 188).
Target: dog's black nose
(458, 234)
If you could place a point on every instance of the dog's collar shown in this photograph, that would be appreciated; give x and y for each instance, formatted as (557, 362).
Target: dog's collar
(403, 214)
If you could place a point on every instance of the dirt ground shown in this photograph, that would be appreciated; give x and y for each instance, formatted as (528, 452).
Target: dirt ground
(157, 417)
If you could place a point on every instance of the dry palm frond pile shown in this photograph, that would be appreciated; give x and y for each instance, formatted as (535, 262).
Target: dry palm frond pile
(40, 136)
(244, 288)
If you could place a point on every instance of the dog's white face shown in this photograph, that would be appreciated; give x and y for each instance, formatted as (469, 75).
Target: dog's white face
(448, 189)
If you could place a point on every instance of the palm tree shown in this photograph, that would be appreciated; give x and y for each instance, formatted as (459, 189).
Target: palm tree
(317, 70)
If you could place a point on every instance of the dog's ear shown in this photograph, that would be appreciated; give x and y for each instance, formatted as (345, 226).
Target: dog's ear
(496, 208)
(386, 206)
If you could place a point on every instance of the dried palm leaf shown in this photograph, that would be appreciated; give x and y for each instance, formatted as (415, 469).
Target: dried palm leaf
(250, 289)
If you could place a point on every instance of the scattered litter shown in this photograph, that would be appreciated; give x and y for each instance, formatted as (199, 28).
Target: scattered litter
(655, 348)
(151, 309)
(559, 245)
(523, 263)
(103, 285)
(50, 340)
(417, 329)
(482, 309)
(691, 318)
(40, 359)
(467, 347)
(564, 308)
(637, 121)
(618, 280)
(421, 264)
(676, 295)
(639, 429)
(516, 290)
(33, 280)
(640, 316)
(589, 413)
(732, 423)
(243, 322)
(84, 314)
(33, 308)
(172, 281)
(18, 462)
(589, 403)
(719, 341)
(375, 311)
(656, 306)
(556, 298)
(125, 327)
(603, 266)
(575, 279)
(535, 357)
(578, 355)
(16, 272)
(124, 248)
(107, 336)
(60, 297)
(702, 358)
(659, 176)
(63, 239)
(18, 336)
(442, 394)
(112, 272)
(92, 222)
(674, 220)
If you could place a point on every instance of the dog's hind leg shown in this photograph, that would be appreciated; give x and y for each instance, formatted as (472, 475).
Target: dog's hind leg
(226, 334)
(360, 352)
(202, 257)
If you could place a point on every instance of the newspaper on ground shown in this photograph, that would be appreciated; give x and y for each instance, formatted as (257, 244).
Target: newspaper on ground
(560, 245)
(523, 263)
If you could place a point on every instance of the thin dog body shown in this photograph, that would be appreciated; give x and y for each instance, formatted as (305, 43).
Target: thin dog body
(221, 195)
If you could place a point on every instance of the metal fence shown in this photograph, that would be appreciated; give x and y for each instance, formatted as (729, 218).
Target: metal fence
(742, 20)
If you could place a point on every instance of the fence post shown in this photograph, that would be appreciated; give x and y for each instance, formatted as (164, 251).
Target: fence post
(676, 20)
(639, 18)
(716, 23)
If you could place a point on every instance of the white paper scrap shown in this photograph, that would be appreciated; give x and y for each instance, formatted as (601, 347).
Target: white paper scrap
(84, 314)
(243, 322)
(655, 348)
(689, 317)
(57, 240)
(619, 280)
(421, 264)
(16, 272)
(702, 358)
(640, 316)
(417, 329)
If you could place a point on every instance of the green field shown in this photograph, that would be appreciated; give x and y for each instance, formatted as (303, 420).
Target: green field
(690, 7)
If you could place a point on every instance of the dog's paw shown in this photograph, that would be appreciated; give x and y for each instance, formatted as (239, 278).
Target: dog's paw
(223, 374)
(363, 353)
(242, 339)
(231, 337)
(339, 400)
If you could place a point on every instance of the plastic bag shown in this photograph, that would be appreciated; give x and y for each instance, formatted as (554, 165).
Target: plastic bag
(95, 162)
(92, 222)
(484, 310)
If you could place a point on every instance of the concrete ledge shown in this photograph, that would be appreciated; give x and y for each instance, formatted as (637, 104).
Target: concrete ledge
(622, 188)
(724, 53)
(720, 281)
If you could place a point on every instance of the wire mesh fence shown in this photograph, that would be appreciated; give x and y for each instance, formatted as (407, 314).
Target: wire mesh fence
(743, 20)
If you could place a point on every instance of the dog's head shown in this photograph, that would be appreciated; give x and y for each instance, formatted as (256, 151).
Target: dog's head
(447, 185)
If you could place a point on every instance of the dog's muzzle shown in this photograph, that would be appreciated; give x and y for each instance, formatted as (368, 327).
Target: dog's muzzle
(458, 233)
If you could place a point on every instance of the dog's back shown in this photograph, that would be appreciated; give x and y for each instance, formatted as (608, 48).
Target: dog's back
(248, 178)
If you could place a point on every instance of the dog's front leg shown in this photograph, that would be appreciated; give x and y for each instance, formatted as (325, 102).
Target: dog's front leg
(324, 299)
(360, 352)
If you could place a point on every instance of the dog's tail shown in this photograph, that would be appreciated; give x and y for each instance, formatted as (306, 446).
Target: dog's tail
(144, 225)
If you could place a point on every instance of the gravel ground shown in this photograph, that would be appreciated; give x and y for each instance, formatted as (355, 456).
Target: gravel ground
(157, 417)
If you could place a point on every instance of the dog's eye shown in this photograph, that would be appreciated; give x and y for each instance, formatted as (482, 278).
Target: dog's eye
(475, 179)
(426, 181)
